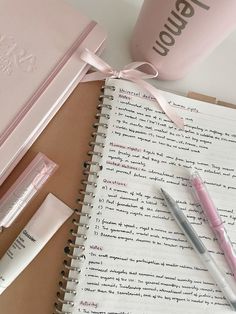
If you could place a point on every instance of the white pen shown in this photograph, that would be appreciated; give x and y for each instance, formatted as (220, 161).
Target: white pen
(228, 290)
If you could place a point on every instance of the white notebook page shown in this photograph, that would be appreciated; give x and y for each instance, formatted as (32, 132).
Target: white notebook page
(137, 259)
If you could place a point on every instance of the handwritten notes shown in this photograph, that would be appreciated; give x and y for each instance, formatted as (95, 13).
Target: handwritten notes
(137, 259)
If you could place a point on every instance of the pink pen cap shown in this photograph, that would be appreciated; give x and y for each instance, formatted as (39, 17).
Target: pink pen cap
(205, 200)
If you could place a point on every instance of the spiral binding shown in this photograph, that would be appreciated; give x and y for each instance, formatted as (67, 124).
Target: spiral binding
(73, 250)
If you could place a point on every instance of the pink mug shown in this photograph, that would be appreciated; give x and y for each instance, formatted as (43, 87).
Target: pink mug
(176, 34)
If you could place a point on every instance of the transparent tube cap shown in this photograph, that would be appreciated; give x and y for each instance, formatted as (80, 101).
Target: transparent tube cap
(25, 187)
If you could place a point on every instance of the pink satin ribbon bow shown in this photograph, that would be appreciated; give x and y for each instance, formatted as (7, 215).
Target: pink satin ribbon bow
(131, 73)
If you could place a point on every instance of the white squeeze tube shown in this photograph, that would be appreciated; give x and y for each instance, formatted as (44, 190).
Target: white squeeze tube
(39, 230)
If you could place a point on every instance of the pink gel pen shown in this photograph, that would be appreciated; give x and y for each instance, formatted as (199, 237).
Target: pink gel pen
(214, 220)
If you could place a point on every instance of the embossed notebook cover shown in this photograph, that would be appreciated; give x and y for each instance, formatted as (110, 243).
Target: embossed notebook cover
(40, 42)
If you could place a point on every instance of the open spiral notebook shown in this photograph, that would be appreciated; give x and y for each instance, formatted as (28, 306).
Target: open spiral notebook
(126, 255)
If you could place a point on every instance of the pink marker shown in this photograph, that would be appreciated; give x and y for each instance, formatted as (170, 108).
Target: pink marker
(214, 220)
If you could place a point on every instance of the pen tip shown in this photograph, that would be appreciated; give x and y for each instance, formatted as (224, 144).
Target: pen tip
(167, 196)
(163, 192)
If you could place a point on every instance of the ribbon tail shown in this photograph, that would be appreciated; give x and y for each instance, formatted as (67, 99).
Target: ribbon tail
(94, 76)
(169, 111)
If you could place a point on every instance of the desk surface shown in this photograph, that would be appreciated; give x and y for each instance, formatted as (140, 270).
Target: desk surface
(215, 76)
(34, 291)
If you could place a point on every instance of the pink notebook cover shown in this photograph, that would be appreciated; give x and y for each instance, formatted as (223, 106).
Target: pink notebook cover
(40, 43)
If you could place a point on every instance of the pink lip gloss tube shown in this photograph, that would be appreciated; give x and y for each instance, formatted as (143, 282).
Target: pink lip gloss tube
(214, 220)
(25, 187)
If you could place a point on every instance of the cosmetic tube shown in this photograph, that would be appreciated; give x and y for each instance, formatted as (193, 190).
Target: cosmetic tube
(25, 187)
(39, 230)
